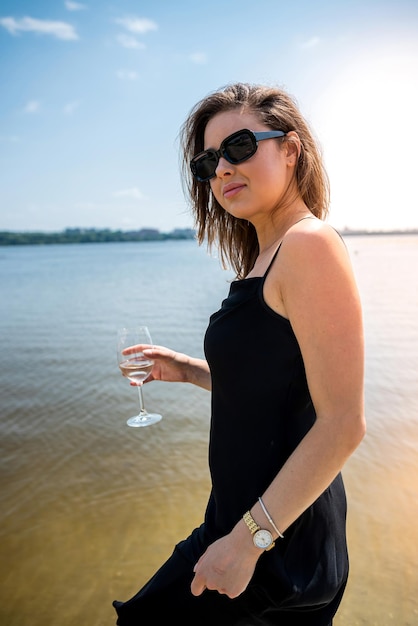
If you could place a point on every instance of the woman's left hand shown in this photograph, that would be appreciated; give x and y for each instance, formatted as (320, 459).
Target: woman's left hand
(227, 566)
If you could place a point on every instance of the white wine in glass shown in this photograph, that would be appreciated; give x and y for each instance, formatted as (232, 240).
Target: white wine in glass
(136, 366)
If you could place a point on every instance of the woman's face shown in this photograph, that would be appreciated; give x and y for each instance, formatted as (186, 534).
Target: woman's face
(253, 189)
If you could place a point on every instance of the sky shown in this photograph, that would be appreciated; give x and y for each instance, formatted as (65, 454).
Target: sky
(93, 95)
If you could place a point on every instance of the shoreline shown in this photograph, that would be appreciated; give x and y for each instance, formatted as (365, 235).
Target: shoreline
(93, 235)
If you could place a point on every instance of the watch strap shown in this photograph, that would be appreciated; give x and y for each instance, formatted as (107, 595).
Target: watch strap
(250, 522)
(254, 528)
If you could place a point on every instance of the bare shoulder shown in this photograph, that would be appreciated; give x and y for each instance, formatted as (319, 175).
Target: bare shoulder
(313, 264)
(312, 237)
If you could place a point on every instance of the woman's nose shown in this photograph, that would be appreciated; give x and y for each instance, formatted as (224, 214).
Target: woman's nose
(224, 167)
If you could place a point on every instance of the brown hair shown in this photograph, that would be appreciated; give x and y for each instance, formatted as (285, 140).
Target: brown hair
(236, 238)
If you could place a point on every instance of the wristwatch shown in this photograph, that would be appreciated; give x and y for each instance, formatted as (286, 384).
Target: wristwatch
(262, 538)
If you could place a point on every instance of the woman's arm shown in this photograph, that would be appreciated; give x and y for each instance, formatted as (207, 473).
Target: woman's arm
(312, 284)
(316, 286)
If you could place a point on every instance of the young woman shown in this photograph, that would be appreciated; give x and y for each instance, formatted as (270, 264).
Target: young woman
(272, 547)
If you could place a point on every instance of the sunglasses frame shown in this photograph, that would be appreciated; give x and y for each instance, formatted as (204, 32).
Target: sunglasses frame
(222, 152)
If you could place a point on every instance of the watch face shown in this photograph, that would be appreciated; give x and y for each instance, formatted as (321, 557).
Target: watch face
(263, 539)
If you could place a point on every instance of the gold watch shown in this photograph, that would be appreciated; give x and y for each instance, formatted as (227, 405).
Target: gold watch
(262, 538)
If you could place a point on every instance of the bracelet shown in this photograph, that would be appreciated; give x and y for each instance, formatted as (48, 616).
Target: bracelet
(267, 514)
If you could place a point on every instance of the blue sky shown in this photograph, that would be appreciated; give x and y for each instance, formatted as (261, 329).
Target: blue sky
(93, 95)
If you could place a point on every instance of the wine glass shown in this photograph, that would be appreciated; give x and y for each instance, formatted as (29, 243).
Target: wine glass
(136, 366)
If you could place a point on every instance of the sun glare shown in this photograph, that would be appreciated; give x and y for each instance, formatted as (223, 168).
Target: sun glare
(368, 124)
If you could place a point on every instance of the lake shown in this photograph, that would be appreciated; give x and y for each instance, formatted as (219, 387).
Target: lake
(81, 493)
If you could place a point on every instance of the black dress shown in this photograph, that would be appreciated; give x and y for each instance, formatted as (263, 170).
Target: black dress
(261, 409)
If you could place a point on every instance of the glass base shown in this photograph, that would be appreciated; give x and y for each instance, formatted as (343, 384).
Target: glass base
(144, 420)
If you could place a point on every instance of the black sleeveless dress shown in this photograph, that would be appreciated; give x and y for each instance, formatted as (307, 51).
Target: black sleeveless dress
(261, 409)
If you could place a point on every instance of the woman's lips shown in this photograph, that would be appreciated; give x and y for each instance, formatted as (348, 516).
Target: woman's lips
(232, 189)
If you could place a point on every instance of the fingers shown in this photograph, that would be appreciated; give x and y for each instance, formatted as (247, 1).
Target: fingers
(198, 586)
(158, 351)
(140, 347)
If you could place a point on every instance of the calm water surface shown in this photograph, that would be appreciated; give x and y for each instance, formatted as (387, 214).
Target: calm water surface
(90, 507)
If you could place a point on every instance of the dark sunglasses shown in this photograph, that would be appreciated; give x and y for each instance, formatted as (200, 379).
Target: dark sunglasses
(236, 148)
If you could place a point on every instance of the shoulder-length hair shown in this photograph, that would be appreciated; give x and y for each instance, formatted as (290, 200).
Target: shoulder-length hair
(236, 238)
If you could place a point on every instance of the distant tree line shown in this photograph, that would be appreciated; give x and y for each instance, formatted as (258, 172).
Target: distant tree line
(91, 235)
(95, 235)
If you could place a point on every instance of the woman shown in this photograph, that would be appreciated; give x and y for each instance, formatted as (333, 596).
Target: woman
(272, 548)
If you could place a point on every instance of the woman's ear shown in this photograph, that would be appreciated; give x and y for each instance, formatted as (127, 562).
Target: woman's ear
(292, 148)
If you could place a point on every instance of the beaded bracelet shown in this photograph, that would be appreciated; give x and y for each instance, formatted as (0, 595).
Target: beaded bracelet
(267, 514)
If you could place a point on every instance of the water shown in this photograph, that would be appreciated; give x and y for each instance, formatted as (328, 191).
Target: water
(91, 507)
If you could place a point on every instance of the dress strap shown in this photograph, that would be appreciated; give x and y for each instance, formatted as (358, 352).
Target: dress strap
(272, 260)
(307, 217)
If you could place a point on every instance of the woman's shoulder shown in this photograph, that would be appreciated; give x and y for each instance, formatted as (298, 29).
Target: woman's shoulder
(313, 253)
(311, 239)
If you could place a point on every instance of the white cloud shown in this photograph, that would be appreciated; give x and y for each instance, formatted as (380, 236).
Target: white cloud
(128, 41)
(74, 6)
(60, 30)
(310, 43)
(134, 26)
(133, 193)
(127, 74)
(70, 107)
(200, 58)
(32, 106)
(137, 25)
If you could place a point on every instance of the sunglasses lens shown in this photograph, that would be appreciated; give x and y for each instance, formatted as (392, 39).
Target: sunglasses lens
(240, 147)
(204, 166)
(237, 148)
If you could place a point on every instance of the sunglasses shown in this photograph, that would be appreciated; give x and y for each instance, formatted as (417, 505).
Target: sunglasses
(236, 148)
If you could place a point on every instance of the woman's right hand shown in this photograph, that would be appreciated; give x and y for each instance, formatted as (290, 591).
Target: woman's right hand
(176, 367)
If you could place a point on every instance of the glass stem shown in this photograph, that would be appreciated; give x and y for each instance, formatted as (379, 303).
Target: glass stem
(142, 410)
